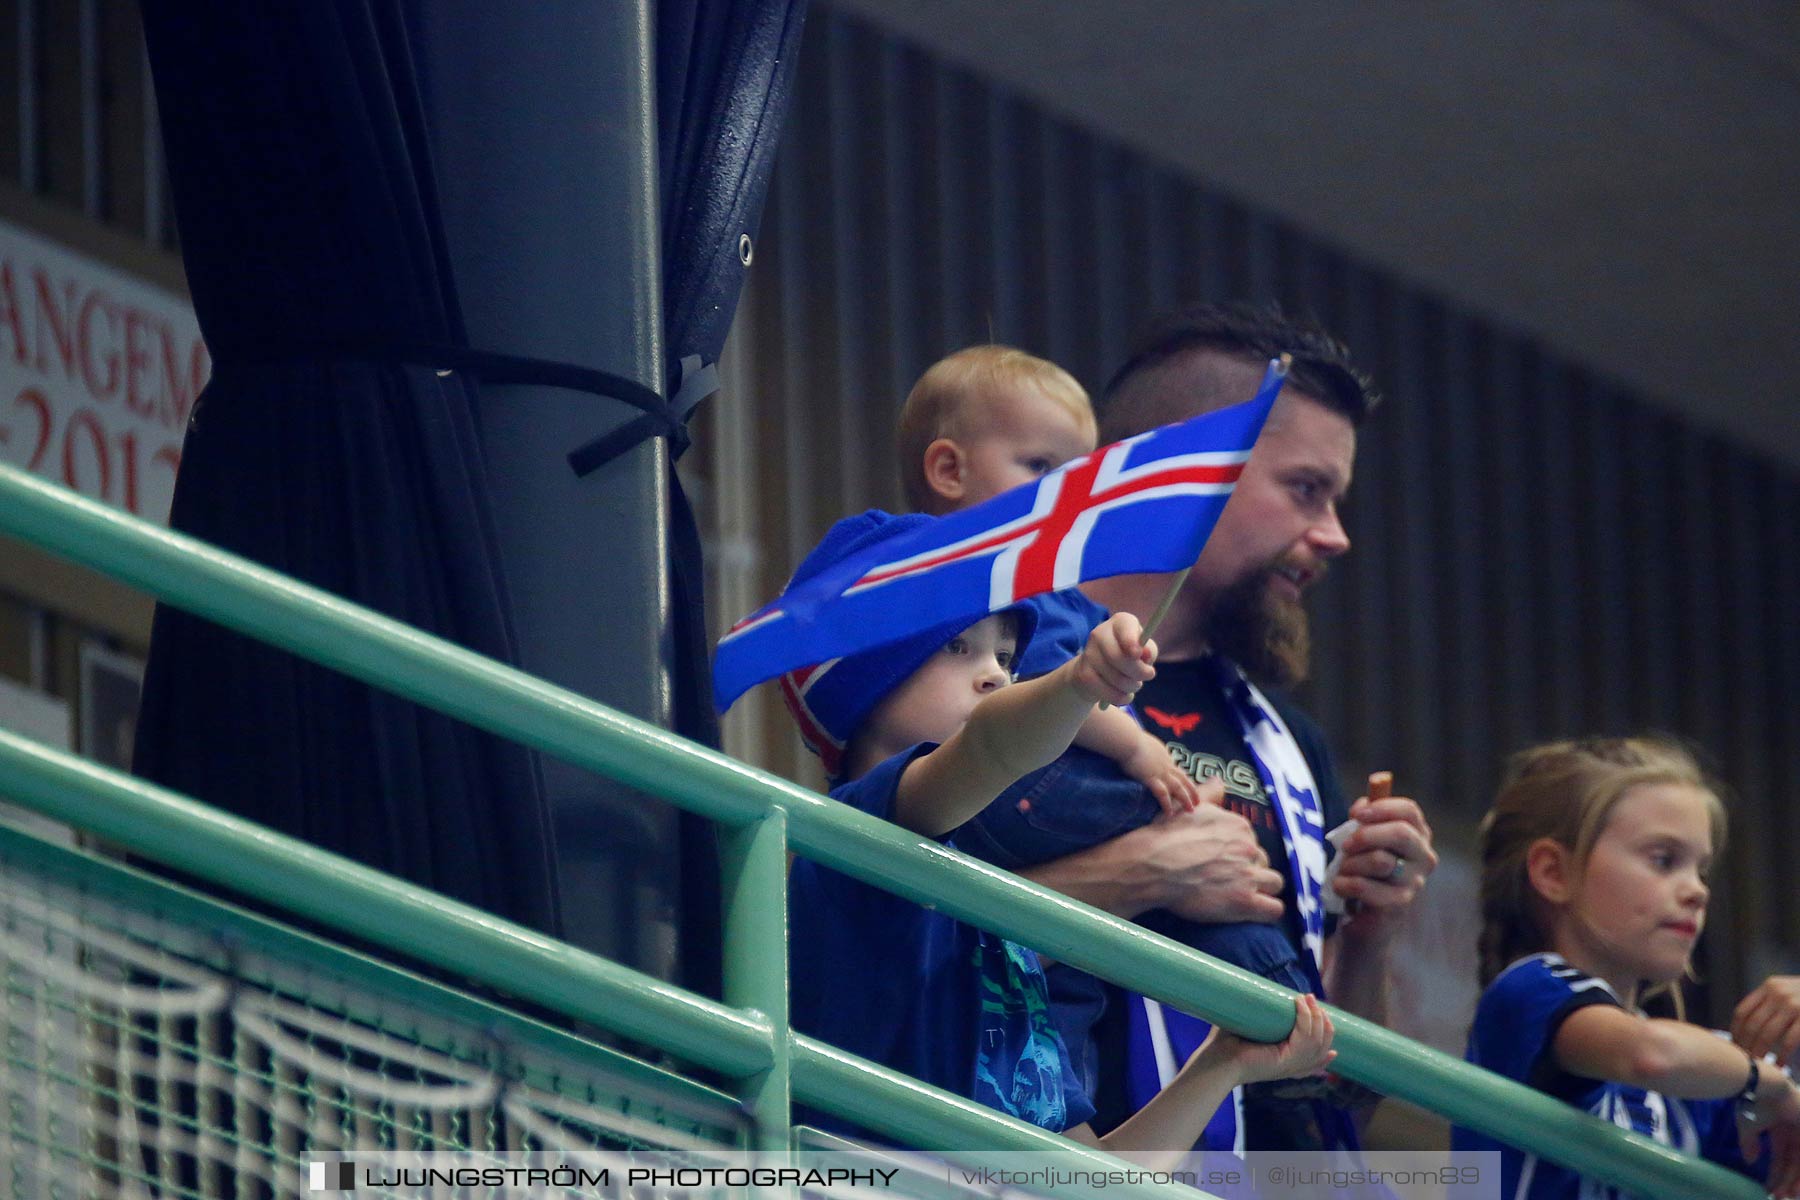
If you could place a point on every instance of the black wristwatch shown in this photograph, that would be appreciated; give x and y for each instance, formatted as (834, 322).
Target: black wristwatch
(1747, 1097)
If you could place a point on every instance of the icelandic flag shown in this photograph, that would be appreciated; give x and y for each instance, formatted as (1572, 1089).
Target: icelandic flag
(1143, 505)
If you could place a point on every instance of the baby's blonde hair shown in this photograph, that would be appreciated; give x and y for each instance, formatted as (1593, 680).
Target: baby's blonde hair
(940, 403)
(1565, 791)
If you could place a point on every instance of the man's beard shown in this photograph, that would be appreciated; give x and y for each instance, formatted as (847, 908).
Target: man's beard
(1265, 634)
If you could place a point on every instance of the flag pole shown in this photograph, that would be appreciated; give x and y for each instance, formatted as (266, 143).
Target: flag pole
(1162, 610)
(1168, 602)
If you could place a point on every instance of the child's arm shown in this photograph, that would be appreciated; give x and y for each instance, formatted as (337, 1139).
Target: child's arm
(1141, 755)
(1020, 728)
(1678, 1059)
(1672, 1057)
(1177, 1115)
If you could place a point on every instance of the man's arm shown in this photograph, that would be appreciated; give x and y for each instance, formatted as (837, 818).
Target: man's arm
(1357, 967)
(1385, 865)
(1204, 865)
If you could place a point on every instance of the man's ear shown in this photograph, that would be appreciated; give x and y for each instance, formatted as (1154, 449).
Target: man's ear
(1549, 867)
(944, 467)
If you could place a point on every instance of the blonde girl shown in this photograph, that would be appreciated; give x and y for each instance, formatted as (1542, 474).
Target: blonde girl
(1595, 860)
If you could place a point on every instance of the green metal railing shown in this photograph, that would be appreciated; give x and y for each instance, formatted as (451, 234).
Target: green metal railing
(763, 817)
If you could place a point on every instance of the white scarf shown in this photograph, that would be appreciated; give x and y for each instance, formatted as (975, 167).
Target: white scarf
(1289, 783)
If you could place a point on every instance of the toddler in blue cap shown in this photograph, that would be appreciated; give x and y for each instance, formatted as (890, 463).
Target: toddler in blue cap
(925, 731)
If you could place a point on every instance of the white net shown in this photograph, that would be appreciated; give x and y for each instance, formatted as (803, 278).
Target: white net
(160, 1046)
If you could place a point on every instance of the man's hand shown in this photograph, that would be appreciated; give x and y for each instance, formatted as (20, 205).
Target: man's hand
(1387, 861)
(1207, 866)
(1204, 865)
(1768, 1020)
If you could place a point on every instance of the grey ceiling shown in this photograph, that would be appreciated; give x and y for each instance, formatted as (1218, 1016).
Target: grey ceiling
(1621, 178)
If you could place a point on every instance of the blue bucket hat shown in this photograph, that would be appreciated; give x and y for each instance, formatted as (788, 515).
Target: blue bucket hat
(830, 700)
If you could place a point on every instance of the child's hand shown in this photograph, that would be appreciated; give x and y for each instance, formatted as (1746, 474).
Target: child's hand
(1768, 1020)
(1306, 1051)
(1149, 763)
(1116, 661)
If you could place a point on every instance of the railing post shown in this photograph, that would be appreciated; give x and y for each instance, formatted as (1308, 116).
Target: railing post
(754, 884)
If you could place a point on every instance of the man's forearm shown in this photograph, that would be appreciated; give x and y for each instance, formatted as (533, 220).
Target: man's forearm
(1356, 980)
(1109, 876)
(1357, 971)
(1203, 865)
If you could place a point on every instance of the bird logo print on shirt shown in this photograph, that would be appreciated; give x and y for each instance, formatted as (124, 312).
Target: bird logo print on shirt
(1178, 724)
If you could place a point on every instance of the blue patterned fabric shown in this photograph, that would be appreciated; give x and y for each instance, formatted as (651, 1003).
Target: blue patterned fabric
(1020, 1062)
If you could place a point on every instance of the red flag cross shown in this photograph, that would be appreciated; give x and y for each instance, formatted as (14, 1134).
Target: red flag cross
(1041, 551)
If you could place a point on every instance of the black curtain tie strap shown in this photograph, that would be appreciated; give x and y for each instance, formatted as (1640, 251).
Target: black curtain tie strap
(660, 418)
(696, 384)
(485, 365)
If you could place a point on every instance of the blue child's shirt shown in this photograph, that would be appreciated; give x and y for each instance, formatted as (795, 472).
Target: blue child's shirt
(1515, 1028)
(921, 992)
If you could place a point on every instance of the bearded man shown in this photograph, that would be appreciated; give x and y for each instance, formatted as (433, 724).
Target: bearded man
(1235, 638)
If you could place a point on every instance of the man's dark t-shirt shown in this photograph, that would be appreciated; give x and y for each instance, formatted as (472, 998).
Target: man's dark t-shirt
(1184, 707)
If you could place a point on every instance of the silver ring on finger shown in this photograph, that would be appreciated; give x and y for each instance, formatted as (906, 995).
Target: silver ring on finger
(1399, 869)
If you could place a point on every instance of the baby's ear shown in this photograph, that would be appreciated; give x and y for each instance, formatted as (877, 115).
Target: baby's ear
(944, 466)
(1548, 867)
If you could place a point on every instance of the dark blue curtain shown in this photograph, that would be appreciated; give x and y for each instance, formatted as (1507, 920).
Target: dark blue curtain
(330, 446)
(725, 73)
(333, 445)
